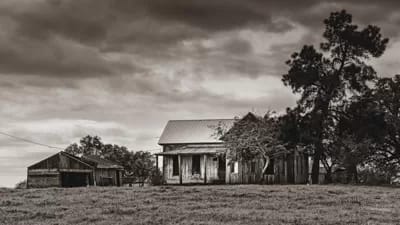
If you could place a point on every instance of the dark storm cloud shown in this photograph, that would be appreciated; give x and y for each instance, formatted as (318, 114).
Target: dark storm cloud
(211, 15)
(72, 38)
(56, 57)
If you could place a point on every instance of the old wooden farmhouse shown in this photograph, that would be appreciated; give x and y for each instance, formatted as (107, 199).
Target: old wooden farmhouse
(192, 153)
(66, 170)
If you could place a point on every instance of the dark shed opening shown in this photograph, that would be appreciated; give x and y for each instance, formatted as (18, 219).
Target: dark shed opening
(70, 179)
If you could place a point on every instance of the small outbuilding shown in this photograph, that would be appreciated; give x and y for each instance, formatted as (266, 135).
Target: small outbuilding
(66, 170)
(106, 172)
(59, 170)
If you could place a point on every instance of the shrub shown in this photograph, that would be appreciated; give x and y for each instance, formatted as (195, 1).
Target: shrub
(374, 177)
(21, 185)
(156, 177)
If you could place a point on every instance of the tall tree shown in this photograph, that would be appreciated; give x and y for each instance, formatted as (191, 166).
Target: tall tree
(89, 145)
(375, 117)
(326, 79)
(387, 96)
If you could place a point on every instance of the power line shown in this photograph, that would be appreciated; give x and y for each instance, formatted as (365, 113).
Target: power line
(29, 141)
(49, 146)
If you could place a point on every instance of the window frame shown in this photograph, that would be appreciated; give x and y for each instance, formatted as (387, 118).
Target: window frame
(234, 167)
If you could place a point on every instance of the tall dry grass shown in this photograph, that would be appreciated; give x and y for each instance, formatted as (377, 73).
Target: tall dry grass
(238, 204)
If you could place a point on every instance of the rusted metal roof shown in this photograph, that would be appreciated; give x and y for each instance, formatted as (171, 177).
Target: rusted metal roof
(196, 150)
(100, 162)
(193, 131)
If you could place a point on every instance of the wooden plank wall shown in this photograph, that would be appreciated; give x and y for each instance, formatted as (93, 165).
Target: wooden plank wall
(187, 176)
(43, 179)
(106, 173)
(70, 163)
(49, 163)
(288, 169)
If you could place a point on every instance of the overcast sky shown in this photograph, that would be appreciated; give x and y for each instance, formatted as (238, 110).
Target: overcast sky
(122, 69)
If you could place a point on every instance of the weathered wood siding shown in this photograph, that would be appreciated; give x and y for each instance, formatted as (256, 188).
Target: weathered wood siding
(49, 172)
(52, 162)
(288, 169)
(70, 163)
(245, 174)
(211, 168)
(108, 177)
(43, 178)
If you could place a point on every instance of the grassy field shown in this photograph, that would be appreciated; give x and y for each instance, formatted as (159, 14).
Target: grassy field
(241, 204)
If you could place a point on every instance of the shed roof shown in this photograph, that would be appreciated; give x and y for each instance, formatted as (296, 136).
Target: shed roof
(193, 131)
(59, 154)
(100, 162)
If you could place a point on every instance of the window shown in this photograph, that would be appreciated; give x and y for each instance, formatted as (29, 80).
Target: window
(234, 167)
(195, 164)
(270, 168)
(175, 165)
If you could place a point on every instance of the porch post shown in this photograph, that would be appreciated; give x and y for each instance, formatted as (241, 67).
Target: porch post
(285, 168)
(180, 168)
(87, 179)
(157, 162)
(205, 168)
(94, 177)
(295, 166)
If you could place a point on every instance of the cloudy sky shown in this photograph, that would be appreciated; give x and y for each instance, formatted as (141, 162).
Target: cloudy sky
(122, 69)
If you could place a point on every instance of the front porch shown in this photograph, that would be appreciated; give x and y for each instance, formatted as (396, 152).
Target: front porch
(194, 164)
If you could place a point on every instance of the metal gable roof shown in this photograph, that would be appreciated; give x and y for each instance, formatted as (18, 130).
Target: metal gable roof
(193, 131)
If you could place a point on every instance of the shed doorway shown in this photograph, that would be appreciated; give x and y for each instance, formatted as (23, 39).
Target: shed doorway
(221, 168)
(70, 179)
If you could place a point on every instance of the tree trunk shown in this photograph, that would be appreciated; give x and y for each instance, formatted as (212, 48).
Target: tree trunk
(352, 176)
(266, 163)
(356, 175)
(328, 178)
(315, 167)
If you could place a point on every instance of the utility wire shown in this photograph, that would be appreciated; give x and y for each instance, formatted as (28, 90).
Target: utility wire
(29, 141)
(49, 146)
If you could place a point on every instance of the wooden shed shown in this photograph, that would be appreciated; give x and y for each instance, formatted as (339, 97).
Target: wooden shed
(106, 172)
(59, 170)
